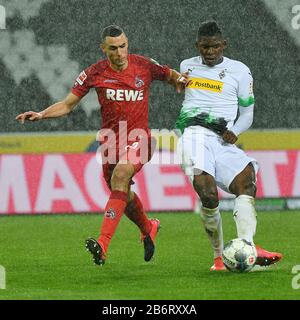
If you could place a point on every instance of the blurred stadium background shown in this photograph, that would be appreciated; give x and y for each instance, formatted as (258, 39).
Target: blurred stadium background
(50, 166)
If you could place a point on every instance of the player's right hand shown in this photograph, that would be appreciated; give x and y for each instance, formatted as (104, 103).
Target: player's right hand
(29, 115)
(182, 81)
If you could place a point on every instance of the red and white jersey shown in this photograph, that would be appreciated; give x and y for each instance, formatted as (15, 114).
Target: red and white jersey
(124, 95)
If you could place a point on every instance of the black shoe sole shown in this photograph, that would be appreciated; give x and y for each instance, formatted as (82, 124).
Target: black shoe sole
(95, 249)
(149, 247)
(264, 262)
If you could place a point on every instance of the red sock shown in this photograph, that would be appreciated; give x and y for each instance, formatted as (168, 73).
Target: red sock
(113, 212)
(135, 212)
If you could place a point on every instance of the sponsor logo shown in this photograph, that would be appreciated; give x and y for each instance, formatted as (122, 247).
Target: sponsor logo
(139, 82)
(124, 95)
(206, 84)
(81, 78)
(154, 61)
(251, 260)
(110, 213)
(111, 81)
(251, 88)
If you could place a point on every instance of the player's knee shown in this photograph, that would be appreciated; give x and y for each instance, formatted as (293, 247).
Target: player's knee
(130, 196)
(247, 188)
(121, 177)
(210, 200)
(244, 183)
(208, 195)
(250, 188)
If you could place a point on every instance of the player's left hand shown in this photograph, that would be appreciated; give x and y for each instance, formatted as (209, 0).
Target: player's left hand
(229, 137)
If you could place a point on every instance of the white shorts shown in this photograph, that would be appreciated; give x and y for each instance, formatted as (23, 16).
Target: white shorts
(199, 149)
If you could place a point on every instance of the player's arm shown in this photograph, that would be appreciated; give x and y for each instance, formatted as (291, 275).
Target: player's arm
(178, 80)
(58, 109)
(164, 73)
(244, 120)
(242, 124)
(246, 108)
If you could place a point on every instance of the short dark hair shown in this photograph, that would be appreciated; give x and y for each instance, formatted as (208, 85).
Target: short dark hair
(111, 31)
(209, 28)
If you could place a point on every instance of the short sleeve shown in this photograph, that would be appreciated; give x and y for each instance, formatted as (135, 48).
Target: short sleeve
(245, 89)
(81, 86)
(183, 67)
(158, 71)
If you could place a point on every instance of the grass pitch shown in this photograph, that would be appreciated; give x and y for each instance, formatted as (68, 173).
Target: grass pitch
(45, 258)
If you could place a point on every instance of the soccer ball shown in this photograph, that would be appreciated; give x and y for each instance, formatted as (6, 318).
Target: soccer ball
(239, 255)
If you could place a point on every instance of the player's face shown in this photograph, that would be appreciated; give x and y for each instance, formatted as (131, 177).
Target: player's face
(116, 50)
(211, 50)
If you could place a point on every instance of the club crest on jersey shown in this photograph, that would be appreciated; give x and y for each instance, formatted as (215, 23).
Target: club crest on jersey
(110, 213)
(81, 78)
(222, 74)
(139, 82)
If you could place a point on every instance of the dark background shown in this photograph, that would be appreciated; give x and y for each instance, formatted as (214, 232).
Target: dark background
(165, 31)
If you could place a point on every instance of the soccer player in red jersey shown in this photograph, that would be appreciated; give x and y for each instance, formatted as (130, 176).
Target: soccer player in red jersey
(122, 82)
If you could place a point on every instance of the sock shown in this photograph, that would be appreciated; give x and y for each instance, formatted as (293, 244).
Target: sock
(245, 217)
(211, 218)
(135, 212)
(113, 212)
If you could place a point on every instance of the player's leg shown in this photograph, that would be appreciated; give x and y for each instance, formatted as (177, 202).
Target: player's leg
(196, 151)
(205, 186)
(148, 227)
(134, 209)
(135, 212)
(117, 202)
(243, 186)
